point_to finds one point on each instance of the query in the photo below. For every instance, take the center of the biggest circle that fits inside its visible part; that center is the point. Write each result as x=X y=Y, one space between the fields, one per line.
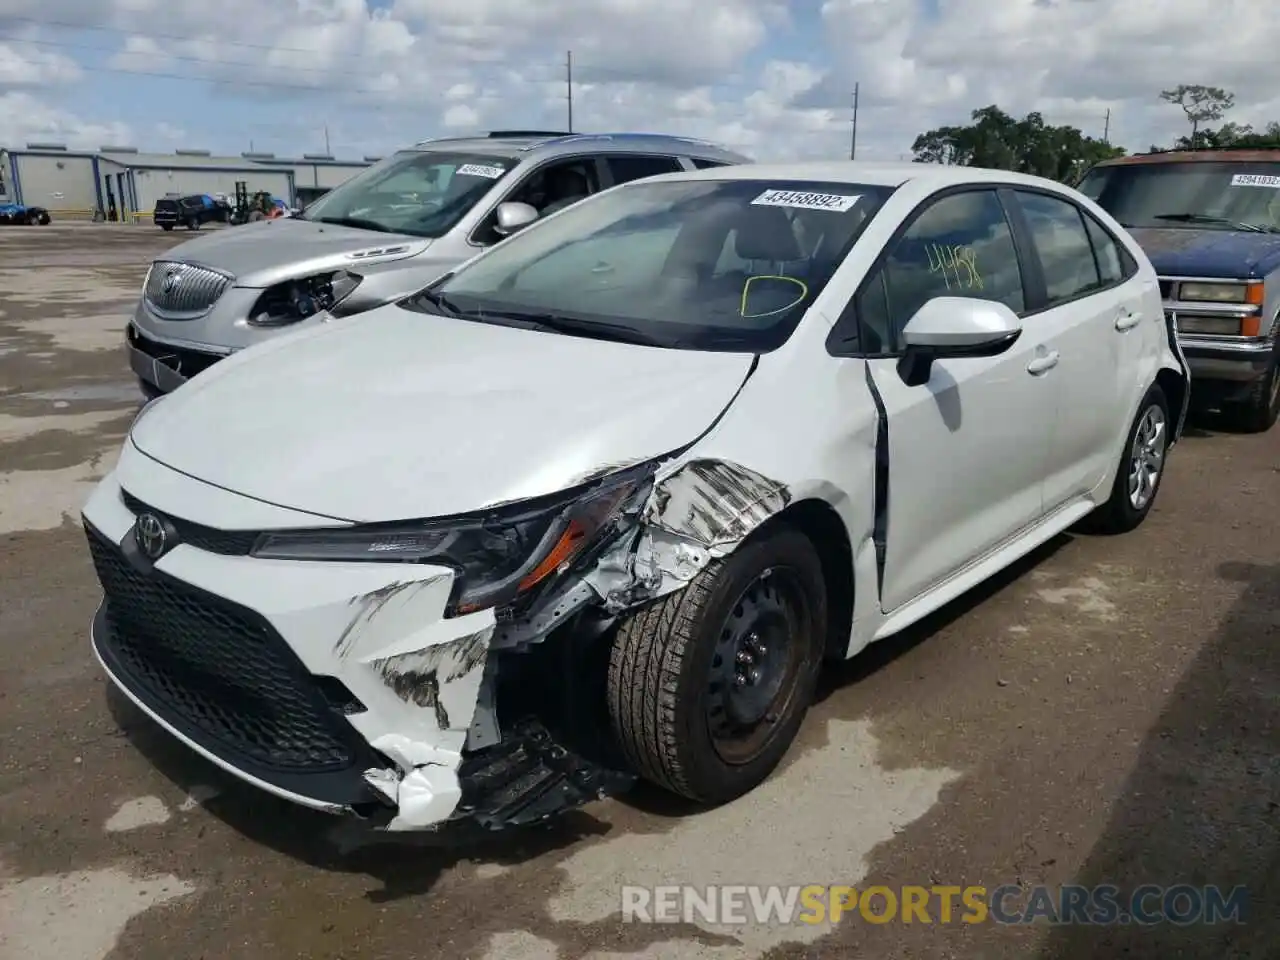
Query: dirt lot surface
x=1109 y=712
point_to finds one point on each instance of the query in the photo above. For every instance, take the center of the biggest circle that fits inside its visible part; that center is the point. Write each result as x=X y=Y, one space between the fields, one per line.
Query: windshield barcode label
x=1254 y=180
x=806 y=201
x=480 y=170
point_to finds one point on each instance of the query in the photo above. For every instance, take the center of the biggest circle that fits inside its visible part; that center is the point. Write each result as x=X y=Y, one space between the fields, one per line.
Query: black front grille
x=229 y=543
x=216 y=670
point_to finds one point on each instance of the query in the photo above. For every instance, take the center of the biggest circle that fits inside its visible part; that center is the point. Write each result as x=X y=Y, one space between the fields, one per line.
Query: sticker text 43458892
x=804 y=200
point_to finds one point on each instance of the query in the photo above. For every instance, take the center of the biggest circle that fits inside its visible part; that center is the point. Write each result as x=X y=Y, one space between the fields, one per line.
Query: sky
x=771 y=78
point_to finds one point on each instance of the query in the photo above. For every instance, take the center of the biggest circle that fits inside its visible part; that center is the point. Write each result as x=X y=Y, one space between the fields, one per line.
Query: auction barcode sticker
x=1254 y=180
x=480 y=170
x=806 y=201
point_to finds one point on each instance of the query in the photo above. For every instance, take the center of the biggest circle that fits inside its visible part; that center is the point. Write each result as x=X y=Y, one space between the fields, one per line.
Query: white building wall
x=63 y=184
x=154 y=184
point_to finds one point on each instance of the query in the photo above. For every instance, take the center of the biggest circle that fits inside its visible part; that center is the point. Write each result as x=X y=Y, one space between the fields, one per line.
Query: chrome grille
x=183 y=291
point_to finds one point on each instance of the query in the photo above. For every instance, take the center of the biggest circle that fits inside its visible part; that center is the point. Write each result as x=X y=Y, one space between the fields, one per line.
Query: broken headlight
x=296 y=300
x=497 y=556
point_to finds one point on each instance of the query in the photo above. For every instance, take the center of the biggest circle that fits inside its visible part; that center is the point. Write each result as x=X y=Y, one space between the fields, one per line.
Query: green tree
x=997 y=140
x=1199 y=103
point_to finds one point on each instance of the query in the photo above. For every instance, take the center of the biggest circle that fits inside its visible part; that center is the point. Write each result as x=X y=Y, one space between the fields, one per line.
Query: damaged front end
x=504 y=730
x=538 y=740
x=460 y=680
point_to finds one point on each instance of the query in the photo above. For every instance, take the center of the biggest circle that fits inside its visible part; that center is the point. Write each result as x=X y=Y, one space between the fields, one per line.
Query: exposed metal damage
x=504 y=773
x=417 y=677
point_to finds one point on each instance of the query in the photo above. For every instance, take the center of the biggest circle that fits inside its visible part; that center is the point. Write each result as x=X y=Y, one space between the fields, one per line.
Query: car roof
x=865 y=173
x=1196 y=156
x=550 y=143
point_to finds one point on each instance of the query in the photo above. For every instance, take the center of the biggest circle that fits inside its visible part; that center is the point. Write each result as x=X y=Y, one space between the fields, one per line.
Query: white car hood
x=400 y=415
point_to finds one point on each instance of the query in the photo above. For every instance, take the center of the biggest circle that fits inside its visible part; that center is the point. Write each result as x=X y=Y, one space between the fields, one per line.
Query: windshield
x=420 y=193
x=693 y=264
x=1198 y=194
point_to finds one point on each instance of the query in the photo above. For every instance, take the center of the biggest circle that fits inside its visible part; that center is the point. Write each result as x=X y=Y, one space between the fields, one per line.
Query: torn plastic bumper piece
x=529 y=778
x=526 y=779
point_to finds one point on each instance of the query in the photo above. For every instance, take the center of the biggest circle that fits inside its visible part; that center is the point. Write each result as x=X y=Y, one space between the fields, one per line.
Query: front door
x=967 y=449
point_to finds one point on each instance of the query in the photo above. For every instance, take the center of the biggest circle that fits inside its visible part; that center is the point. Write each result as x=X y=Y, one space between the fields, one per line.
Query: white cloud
x=765 y=76
x=25 y=118
x=32 y=67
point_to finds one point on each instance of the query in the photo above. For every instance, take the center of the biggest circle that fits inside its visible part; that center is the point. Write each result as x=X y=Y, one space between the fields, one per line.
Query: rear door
x=1089 y=313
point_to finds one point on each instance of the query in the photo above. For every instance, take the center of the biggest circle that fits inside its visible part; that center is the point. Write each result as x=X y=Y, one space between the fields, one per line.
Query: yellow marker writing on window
x=802 y=290
x=958 y=265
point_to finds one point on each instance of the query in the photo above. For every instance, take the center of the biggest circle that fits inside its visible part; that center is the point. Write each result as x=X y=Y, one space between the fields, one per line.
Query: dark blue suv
x=1209 y=220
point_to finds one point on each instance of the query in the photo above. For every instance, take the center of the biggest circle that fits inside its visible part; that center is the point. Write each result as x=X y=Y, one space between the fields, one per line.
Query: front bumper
x=340 y=687
x=1222 y=358
x=165 y=365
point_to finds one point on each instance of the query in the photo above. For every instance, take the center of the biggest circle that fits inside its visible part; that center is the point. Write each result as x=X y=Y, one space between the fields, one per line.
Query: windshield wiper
x=357 y=222
x=440 y=302
x=1204 y=218
x=597 y=330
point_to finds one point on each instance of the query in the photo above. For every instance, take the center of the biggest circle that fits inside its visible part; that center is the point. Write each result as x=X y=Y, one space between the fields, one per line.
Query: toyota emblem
x=150 y=533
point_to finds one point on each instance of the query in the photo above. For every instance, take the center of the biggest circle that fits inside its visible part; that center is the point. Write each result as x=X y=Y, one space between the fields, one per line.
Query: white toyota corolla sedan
x=598 y=504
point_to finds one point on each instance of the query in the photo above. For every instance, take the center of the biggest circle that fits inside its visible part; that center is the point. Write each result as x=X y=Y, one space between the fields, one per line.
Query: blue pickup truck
x=17 y=213
x=1209 y=220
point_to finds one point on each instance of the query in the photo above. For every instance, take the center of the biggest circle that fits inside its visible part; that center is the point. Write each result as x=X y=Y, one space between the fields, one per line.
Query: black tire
x=45 y=219
x=668 y=672
x=33 y=219
x=1119 y=514
x=193 y=223
x=166 y=227
x=1260 y=409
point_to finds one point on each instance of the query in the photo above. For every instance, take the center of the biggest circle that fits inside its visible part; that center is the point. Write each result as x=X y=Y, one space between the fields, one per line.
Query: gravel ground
x=1105 y=713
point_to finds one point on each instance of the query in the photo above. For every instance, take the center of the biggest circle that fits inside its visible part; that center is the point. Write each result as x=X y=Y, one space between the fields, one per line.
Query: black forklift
x=250 y=208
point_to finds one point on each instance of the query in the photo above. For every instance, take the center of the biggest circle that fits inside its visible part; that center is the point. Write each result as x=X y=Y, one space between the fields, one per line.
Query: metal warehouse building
x=128 y=183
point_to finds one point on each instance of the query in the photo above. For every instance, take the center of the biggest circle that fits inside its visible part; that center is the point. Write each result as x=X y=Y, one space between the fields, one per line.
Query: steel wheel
x=1146 y=457
x=756 y=666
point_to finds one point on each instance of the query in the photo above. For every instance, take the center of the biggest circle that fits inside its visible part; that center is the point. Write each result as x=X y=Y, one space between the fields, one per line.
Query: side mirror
x=955 y=327
x=514 y=216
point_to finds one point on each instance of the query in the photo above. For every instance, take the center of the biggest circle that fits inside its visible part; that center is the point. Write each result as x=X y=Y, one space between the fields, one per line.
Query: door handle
x=1043 y=363
x=1127 y=319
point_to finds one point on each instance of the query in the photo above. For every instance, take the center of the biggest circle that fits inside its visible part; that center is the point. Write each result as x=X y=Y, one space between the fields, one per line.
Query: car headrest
x=766 y=233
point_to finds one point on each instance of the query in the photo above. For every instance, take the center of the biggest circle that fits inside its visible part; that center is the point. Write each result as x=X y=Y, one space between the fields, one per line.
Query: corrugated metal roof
x=170 y=161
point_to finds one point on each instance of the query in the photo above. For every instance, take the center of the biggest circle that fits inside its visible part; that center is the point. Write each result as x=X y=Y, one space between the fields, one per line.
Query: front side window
x=420 y=193
x=959 y=246
x=712 y=265
x=1199 y=194
x=1062 y=244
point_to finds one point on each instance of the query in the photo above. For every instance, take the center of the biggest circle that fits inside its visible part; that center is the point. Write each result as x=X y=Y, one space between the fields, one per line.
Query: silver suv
x=385 y=233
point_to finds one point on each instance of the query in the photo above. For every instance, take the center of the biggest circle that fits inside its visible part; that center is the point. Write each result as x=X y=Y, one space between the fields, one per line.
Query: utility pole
x=568 y=82
x=326 y=140
x=1106 y=130
x=853 y=136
